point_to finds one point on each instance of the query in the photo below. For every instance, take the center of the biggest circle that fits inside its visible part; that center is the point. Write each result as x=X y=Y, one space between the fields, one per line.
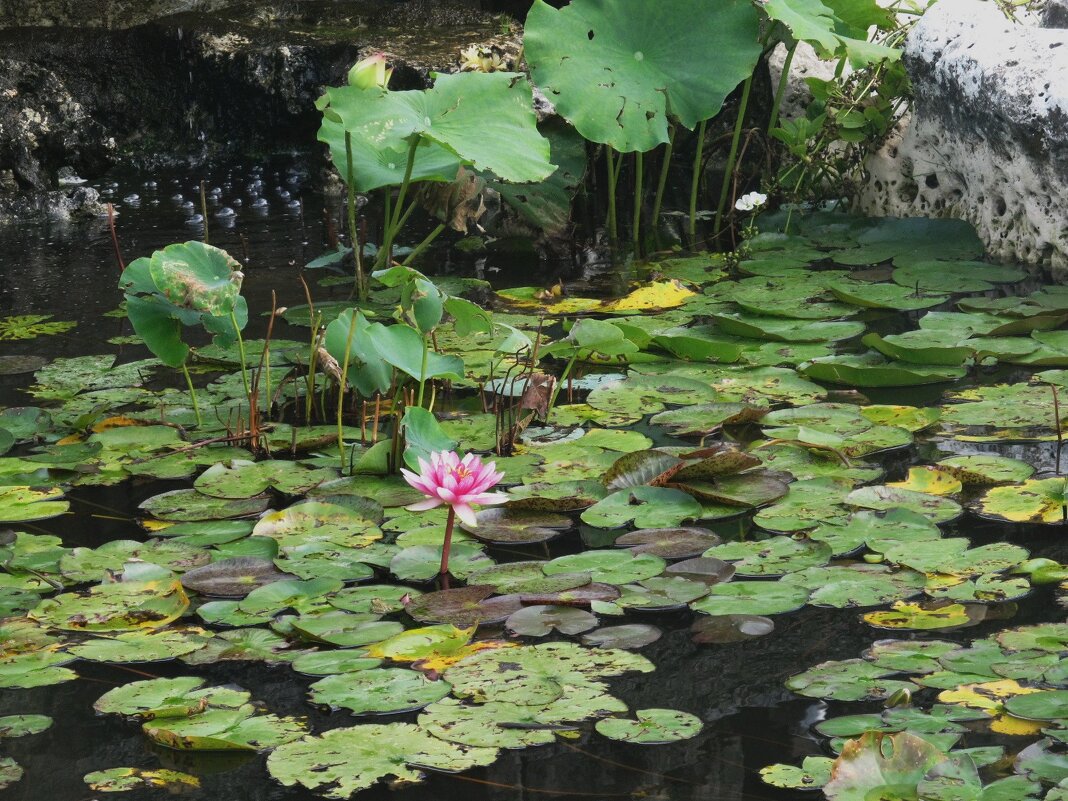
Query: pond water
x=737 y=689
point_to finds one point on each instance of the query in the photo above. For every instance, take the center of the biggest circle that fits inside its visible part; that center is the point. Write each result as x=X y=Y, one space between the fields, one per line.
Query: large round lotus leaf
x=117 y=606
x=847 y=586
x=288 y=594
x=953 y=556
x=775 y=556
x=751 y=598
x=780 y=330
x=188 y=505
x=197 y=277
x=720 y=629
x=538 y=674
x=252 y=645
x=661 y=593
x=706 y=418
x=628 y=636
x=652 y=726
x=645 y=507
x=330 y=663
x=1043 y=500
x=847 y=680
x=378 y=599
x=1046 y=705
x=930 y=479
x=807 y=504
x=313 y=521
x=341 y=762
x=10 y=772
x=21 y=725
x=881 y=765
x=326 y=560
x=872 y=370
x=540 y=620
x=232 y=578
x=464 y=606
x=237 y=479
x=504 y=525
x=378 y=691
x=921 y=347
x=883 y=497
x=156 y=697
x=669 y=543
x=608 y=567
x=650 y=394
x=93 y=564
x=919 y=616
x=704 y=569
x=121 y=780
x=422 y=562
x=526 y=577
x=815 y=771
x=987 y=469
x=572 y=50
x=479 y=725
x=137 y=646
x=22 y=504
x=344 y=629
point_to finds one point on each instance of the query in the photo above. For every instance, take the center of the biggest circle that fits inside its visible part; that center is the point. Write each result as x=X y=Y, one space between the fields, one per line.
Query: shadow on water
x=69 y=271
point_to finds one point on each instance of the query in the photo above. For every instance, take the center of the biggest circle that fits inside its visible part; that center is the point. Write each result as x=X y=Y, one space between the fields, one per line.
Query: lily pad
x=464 y=606
x=720 y=629
x=540 y=620
x=628 y=636
x=645 y=507
x=232 y=578
x=121 y=780
x=651 y=726
x=378 y=691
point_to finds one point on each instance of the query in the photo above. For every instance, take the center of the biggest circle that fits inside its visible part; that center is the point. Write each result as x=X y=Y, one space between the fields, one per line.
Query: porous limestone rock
x=988 y=137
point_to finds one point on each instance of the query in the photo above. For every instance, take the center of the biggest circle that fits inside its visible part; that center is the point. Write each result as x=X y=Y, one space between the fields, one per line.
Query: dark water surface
x=751 y=720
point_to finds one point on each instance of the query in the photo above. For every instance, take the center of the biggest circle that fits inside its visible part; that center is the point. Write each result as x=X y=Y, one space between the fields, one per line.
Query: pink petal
x=447 y=495
x=466 y=514
x=422 y=506
x=488 y=498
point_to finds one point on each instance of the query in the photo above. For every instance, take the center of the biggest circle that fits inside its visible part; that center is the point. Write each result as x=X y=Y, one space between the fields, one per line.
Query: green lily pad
x=378 y=691
x=23 y=504
x=117 y=606
x=883 y=497
x=652 y=726
x=422 y=562
x=344 y=629
x=93 y=564
x=540 y=620
x=669 y=543
x=719 y=629
x=340 y=762
x=243 y=645
x=815 y=771
x=780 y=330
x=608 y=567
x=751 y=598
x=1046 y=705
x=857 y=585
x=10 y=772
x=330 y=663
x=378 y=599
x=628 y=636
x=645 y=507
x=139 y=646
x=775 y=556
x=1043 y=501
x=22 y=725
x=871 y=370
x=1040 y=762
x=650 y=394
x=847 y=680
x=919 y=616
x=121 y=780
x=316 y=521
x=987 y=469
x=464 y=606
x=188 y=505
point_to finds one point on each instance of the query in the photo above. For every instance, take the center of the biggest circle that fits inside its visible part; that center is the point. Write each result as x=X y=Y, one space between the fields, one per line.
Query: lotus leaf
x=608 y=567
x=301 y=596
x=21 y=725
x=340 y=762
x=645 y=507
x=751 y=598
x=807 y=504
x=919 y=616
x=117 y=606
x=1042 y=501
x=224 y=730
x=1051 y=637
x=121 y=780
x=188 y=505
x=776 y=556
x=378 y=691
x=815 y=771
x=344 y=629
x=23 y=504
x=137 y=646
x=232 y=578
x=505 y=525
x=253 y=645
x=857 y=585
x=720 y=629
x=330 y=663
x=10 y=772
x=884 y=497
x=465 y=606
x=379 y=599
x=93 y=564
x=315 y=521
x=651 y=726
x=871 y=370
x=422 y=562
x=628 y=636
x=540 y=620
x=848 y=680
x=987 y=469
x=669 y=543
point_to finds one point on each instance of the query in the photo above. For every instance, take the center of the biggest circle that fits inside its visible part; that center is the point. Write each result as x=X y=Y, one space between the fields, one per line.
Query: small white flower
x=753 y=200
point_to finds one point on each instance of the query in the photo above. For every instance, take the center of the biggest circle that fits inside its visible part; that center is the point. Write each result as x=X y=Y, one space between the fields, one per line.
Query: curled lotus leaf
x=538 y=674
x=232 y=578
x=188 y=505
x=872 y=370
x=464 y=606
x=341 y=762
x=720 y=629
x=539 y=620
x=880 y=765
x=639 y=468
x=198 y=277
x=814 y=772
x=121 y=780
x=378 y=691
x=747 y=491
x=629 y=636
x=651 y=726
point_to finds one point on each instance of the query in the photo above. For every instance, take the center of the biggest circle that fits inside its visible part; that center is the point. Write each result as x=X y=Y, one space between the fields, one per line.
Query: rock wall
x=988 y=138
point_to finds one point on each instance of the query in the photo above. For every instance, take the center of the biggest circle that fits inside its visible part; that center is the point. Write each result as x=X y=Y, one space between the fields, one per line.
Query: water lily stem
x=360 y=281
x=560 y=383
x=341 y=388
x=611 y=192
x=780 y=90
x=639 y=171
x=422 y=370
x=204 y=211
x=395 y=221
x=447 y=545
x=192 y=393
x=695 y=180
x=424 y=244
x=241 y=352
x=732 y=156
x=665 y=168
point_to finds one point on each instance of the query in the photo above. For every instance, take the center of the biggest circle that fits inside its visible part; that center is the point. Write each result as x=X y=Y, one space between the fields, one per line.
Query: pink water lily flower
x=457 y=483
